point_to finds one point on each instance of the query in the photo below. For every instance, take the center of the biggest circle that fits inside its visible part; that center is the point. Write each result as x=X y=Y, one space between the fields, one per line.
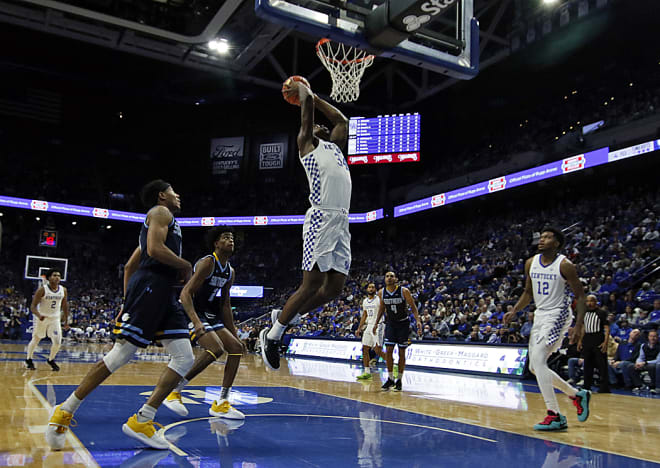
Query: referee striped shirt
x=595 y=321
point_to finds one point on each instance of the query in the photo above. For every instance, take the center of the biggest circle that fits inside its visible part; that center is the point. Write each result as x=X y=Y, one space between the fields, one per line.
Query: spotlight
x=221 y=46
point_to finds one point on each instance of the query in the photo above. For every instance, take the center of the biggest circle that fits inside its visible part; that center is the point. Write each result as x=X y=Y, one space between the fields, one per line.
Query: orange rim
x=325 y=40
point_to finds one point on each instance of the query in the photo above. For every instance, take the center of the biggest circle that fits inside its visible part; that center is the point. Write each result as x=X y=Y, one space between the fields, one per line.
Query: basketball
x=289 y=95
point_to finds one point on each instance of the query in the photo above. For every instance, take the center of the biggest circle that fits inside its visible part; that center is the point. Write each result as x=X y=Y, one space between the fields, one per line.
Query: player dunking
x=47 y=305
x=150 y=311
x=549 y=276
x=370 y=340
x=206 y=299
x=394 y=303
x=326 y=238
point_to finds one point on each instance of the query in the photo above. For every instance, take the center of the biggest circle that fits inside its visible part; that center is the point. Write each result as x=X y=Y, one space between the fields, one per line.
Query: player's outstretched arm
x=339 y=133
x=159 y=219
x=525 y=298
x=203 y=270
x=569 y=272
x=306 y=134
x=38 y=296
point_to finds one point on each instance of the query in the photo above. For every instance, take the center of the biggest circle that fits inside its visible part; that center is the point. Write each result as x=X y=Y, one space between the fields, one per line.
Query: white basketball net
x=346 y=65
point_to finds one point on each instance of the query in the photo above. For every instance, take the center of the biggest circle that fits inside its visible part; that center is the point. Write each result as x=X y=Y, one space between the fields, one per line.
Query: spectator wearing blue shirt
x=645 y=294
x=624 y=331
x=614 y=328
x=647 y=361
x=526 y=329
x=609 y=286
x=624 y=359
x=654 y=316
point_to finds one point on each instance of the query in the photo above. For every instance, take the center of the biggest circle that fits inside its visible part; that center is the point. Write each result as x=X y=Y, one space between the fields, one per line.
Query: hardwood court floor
x=311 y=401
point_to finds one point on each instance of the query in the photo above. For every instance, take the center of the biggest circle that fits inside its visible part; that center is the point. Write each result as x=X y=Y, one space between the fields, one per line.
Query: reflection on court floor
x=289 y=427
x=490 y=391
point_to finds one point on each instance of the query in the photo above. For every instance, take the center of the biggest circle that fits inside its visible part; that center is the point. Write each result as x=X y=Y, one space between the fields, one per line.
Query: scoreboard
x=384 y=139
x=47 y=238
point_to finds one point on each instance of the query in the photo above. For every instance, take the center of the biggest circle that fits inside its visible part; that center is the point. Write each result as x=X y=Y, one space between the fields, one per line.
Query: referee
x=594 y=345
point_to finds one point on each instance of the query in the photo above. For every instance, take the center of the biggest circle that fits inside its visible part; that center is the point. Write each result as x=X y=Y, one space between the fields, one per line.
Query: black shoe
x=397 y=385
x=270 y=350
x=54 y=366
x=387 y=385
x=30 y=364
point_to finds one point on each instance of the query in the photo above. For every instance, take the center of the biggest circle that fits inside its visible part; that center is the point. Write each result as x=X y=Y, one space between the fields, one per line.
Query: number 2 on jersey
x=543 y=288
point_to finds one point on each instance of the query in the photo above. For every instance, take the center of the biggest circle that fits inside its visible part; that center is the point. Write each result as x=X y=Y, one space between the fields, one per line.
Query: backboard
x=35 y=266
x=438 y=35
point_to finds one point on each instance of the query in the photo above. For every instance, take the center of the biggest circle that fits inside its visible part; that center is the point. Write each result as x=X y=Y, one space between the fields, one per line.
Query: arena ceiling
x=261 y=56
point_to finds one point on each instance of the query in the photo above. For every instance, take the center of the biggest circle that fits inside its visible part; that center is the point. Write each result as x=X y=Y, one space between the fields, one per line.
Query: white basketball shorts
x=48 y=327
x=550 y=327
x=326 y=240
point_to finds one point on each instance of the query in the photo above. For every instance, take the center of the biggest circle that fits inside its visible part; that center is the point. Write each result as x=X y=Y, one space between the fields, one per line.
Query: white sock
x=146 y=413
x=71 y=404
x=32 y=345
x=277 y=331
x=182 y=384
x=367 y=370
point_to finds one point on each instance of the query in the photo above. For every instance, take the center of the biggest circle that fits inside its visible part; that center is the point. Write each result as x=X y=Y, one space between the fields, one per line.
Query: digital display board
x=47 y=238
x=384 y=139
x=246 y=292
x=205 y=221
x=560 y=167
x=500 y=360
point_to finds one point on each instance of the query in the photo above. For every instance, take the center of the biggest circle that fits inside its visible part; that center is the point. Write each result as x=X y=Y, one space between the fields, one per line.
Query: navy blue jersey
x=173 y=241
x=396 y=307
x=209 y=297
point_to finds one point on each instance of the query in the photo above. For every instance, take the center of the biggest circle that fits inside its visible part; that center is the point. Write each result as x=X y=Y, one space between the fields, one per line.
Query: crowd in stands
x=463 y=278
x=619 y=96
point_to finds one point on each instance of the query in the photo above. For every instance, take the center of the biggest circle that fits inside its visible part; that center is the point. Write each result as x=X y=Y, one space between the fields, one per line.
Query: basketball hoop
x=346 y=65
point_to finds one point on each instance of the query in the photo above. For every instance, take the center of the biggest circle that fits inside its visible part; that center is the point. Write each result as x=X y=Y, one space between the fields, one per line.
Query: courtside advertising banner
x=226 y=154
x=500 y=360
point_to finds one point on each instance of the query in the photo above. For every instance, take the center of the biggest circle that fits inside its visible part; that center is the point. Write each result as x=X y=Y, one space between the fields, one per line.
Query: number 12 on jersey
x=543 y=288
